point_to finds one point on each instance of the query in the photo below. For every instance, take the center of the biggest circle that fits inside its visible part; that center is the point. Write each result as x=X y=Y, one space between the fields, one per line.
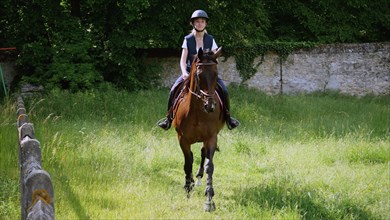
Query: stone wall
x=354 y=69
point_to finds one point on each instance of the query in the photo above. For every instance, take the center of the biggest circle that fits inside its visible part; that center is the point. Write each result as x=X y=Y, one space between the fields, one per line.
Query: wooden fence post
x=36 y=188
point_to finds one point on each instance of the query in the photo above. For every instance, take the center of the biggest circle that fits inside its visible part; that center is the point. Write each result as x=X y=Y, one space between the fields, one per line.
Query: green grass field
x=318 y=156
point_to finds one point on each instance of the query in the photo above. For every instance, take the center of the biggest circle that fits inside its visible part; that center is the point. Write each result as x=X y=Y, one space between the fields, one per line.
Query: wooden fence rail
x=36 y=188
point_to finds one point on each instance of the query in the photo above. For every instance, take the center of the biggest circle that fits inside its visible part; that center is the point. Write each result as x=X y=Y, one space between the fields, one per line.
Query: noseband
x=199 y=93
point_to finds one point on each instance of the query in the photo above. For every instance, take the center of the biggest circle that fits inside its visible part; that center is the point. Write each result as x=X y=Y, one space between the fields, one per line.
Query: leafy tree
x=117 y=35
x=75 y=44
x=236 y=23
x=54 y=47
x=330 y=21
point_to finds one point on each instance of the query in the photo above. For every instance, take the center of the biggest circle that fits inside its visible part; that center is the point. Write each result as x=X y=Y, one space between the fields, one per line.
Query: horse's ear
x=218 y=53
x=200 y=53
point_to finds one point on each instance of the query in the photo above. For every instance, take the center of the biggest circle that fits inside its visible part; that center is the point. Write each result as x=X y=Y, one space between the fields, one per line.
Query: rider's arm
x=183 y=63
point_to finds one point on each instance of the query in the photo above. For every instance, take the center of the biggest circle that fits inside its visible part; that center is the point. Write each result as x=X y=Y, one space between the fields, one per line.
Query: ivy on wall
x=246 y=54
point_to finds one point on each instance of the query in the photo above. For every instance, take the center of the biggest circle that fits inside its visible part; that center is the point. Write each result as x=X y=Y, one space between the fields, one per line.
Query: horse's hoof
x=189 y=187
x=209 y=206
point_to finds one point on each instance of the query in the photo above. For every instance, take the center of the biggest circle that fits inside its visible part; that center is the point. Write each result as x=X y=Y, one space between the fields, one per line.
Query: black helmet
x=199 y=14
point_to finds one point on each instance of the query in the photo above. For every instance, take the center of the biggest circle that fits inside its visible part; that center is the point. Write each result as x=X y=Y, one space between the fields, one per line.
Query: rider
x=198 y=38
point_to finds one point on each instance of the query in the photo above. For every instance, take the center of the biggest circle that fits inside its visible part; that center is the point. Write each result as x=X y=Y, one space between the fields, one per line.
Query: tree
x=330 y=21
x=76 y=44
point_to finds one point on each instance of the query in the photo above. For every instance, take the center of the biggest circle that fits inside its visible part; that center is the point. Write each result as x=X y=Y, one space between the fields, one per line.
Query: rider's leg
x=230 y=121
x=165 y=123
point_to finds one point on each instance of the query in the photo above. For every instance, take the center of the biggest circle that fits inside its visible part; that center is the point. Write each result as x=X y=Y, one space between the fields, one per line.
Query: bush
x=78 y=44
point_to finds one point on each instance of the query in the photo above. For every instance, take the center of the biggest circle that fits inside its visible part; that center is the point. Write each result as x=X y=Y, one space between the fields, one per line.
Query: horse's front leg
x=200 y=172
x=188 y=161
x=209 y=192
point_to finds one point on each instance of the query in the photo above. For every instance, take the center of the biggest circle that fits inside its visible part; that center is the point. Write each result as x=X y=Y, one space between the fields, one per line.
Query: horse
x=199 y=118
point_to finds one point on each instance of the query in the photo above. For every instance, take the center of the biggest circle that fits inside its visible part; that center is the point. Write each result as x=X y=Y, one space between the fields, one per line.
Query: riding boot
x=166 y=122
x=230 y=121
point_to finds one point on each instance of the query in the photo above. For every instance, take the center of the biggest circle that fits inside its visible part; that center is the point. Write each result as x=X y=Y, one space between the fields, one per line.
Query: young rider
x=198 y=38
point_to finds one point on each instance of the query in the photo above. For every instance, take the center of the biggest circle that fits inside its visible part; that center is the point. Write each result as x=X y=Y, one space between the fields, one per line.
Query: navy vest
x=191 y=46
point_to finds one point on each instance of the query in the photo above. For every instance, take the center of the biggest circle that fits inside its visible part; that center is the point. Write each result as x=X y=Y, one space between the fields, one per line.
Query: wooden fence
x=36 y=188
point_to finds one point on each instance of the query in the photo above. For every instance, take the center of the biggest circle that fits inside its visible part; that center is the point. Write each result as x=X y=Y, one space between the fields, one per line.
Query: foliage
x=330 y=21
x=77 y=44
x=237 y=23
x=56 y=52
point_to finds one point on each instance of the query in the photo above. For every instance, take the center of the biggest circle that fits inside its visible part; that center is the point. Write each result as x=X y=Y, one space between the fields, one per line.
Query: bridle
x=199 y=93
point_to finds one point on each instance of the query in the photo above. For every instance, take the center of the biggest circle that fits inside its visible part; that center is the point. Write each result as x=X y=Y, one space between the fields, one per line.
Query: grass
x=318 y=156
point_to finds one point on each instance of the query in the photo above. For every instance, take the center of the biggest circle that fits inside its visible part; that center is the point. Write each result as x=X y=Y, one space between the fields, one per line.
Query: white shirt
x=213 y=47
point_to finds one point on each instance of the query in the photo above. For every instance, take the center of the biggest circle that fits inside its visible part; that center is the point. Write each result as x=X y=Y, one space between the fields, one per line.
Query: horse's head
x=206 y=76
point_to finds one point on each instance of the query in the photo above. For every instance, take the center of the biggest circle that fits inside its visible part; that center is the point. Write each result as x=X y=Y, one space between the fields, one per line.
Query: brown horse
x=199 y=118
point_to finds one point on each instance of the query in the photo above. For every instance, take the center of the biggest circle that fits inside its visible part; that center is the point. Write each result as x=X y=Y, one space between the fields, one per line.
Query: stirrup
x=232 y=123
x=164 y=123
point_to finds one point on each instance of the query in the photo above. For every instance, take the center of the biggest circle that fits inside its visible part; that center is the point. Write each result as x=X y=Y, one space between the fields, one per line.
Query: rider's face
x=200 y=24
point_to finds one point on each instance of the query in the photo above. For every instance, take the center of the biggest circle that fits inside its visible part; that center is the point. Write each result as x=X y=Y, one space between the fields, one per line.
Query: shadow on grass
x=70 y=196
x=282 y=195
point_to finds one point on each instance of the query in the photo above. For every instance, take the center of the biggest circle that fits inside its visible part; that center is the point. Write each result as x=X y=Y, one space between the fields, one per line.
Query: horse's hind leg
x=188 y=160
x=200 y=172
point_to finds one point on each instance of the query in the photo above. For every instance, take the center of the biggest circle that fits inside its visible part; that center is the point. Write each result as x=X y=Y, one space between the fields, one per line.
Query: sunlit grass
x=9 y=172
x=294 y=157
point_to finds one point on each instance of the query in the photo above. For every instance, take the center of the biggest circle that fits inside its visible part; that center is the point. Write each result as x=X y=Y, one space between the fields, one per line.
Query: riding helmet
x=199 y=14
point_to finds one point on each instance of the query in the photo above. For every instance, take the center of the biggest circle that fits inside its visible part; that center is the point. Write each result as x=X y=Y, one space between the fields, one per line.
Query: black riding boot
x=230 y=121
x=166 y=122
